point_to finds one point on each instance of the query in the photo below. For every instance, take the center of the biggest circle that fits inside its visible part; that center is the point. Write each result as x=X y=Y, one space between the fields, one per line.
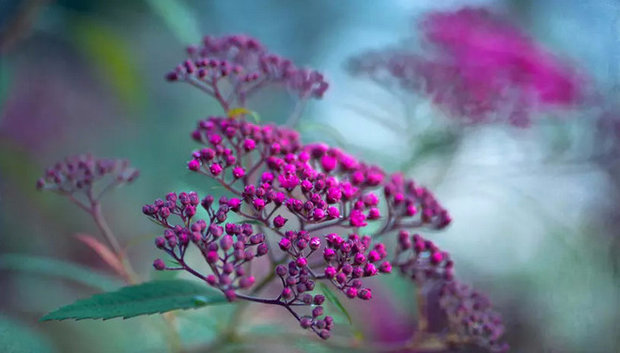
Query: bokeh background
x=535 y=210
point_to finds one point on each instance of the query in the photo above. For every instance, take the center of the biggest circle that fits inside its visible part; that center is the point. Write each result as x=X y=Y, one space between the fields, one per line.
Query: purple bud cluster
x=414 y=204
x=350 y=260
x=80 y=172
x=246 y=66
x=304 y=195
x=225 y=247
x=422 y=260
x=297 y=281
x=472 y=317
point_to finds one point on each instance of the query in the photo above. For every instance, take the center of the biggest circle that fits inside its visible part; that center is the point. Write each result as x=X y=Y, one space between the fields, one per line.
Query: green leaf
x=112 y=55
x=5 y=83
x=332 y=298
x=142 y=299
x=57 y=268
x=179 y=18
x=17 y=338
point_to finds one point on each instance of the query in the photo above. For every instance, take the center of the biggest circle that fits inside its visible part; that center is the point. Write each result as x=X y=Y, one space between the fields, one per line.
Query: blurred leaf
x=58 y=268
x=103 y=251
x=179 y=19
x=235 y=112
x=111 y=54
x=142 y=299
x=332 y=298
x=338 y=138
x=18 y=167
x=17 y=338
x=5 y=83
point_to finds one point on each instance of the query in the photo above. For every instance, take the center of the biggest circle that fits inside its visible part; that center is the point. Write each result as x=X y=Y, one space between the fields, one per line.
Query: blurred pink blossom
x=482 y=69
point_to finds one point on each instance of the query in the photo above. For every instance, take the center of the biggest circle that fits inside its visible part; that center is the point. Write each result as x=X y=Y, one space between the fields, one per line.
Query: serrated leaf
x=57 y=268
x=142 y=299
x=17 y=338
x=332 y=298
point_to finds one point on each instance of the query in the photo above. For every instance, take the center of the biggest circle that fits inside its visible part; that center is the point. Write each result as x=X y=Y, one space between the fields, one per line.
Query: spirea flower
x=471 y=317
x=231 y=68
x=313 y=202
x=80 y=173
x=481 y=69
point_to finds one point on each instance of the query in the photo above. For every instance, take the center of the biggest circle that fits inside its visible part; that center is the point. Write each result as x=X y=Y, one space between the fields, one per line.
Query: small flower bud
x=159 y=264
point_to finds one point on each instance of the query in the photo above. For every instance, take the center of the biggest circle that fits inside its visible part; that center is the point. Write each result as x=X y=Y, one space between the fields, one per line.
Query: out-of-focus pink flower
x=496 y=60
x=483 y=69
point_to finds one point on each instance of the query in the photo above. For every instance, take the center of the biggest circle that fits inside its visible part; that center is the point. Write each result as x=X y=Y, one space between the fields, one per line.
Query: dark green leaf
x=332 y=298
x=142 y=299
x=57 y=268
x=17 y=338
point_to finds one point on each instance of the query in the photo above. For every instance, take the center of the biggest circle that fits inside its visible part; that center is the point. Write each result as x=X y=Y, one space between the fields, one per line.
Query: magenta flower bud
x=436 y=258
x=374 y=213
x=287 y=293
x=238 y=172
x=370 y=270
x=190 y=211
x=324 y=334
x=318 y=299
x=318 y=311
x=230 y=295
x=373 y=256
x=259 y=204
x=330 y=272
x=351 y=292
x=211 y=280
x=411 y=210
x=279 y=221
x=234 y=204
x=318 y=214
x=195 y=237
x=281 y=270
x=226 y=242
x=285 y=244
x=215 y=169
x=328 y=163
x=357 y=219
x=385 y=267
x=315 y=243
x=193 y=165
x=160 y=242
x=359 y=259
x=246 y=282
x=365 y=294
x=207 y=201
x=306 y=185
x=305 y=322
x=249 y=145
x=341 y=278
x=212 y=257
x=333 y=212
x=159 y=265
x=419 y=246
x=301 y=262
x=357 y=272
x=329 y=254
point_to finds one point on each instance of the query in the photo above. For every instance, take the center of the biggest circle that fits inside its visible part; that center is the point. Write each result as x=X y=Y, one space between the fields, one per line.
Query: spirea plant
x=306 y=220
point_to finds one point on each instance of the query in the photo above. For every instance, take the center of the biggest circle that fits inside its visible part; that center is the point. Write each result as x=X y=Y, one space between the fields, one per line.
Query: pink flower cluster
x=482 y=69
x=81 y=172
x=226 y=247
x=422 y=260
x=312 y=200
x=472 y=317
x=245 y=66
